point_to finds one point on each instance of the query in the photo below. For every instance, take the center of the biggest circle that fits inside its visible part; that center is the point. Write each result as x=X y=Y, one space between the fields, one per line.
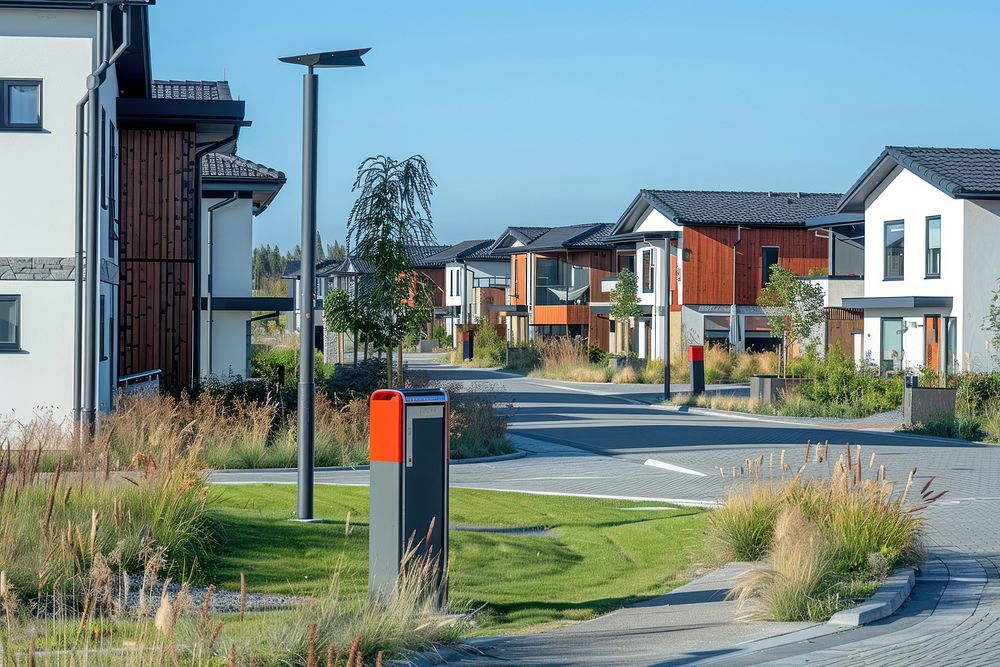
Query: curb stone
x=886 y=600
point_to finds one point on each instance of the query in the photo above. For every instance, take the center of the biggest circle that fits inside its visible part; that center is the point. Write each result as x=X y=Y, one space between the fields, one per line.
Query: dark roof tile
x=763 y=209
x=192 y=90
x=219 y=165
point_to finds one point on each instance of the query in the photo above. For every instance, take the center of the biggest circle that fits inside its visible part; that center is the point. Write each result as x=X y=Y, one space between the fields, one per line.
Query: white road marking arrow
x=669 y=466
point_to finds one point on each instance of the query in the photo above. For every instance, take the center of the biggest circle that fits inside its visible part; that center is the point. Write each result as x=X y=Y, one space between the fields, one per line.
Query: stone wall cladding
x=37 y=268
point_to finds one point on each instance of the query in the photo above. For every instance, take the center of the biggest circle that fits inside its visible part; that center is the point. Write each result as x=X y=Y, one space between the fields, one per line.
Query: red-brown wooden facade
x=157 y=250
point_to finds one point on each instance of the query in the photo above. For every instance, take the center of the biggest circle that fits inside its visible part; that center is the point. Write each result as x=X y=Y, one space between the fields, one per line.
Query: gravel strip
x=223 y=601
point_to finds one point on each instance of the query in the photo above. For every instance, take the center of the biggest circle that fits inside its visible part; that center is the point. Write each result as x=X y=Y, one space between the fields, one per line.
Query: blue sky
x=556 y=112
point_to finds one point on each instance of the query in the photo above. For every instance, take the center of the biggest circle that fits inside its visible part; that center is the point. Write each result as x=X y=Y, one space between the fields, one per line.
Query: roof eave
x=834 y=220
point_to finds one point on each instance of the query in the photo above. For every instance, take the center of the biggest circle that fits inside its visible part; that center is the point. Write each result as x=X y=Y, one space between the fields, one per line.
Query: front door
x=932 y=342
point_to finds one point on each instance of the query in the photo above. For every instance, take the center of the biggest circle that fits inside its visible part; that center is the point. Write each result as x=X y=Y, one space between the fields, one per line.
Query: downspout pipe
x=734 y=323
x=90 y=371
x=211 y=267
x=81 y=119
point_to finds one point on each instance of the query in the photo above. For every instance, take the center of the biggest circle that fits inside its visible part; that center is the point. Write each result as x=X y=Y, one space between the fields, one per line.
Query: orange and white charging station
x=410 y=451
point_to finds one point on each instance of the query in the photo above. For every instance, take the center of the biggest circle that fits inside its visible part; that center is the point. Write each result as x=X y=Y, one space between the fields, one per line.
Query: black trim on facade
x=248 y=303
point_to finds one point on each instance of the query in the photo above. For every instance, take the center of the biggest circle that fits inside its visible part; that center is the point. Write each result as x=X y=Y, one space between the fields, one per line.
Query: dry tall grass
x=565 y=359
x=795 y=584
x=863 y=519
x=133 y=621
x=57 y=526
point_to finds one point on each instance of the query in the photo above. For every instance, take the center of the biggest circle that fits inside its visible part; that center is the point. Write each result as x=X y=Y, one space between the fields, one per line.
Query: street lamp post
x=307 y=276
x=666 y=319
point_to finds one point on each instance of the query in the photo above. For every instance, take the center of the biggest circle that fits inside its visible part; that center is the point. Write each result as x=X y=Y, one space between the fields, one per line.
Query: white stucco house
x=474 y=279
x=47 y=52
x=234 y=192
x=109 y=174
x=932 y=227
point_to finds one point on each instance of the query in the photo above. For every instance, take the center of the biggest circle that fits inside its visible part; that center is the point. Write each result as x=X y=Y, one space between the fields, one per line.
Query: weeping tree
x=392 y=212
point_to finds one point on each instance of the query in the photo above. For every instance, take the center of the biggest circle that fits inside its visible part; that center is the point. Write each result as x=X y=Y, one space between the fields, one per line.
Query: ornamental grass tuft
x=866 y=526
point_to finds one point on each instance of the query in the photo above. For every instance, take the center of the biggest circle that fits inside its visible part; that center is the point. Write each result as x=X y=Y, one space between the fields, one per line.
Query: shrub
x=808 y=365
x=990 y=423
x=348 y=381
x=490 y=349
x=477 y=428
x=444 y=340
x=597 y=356
x=265 y=362
x=525 y=360
x=858 y=392
x=978 y=391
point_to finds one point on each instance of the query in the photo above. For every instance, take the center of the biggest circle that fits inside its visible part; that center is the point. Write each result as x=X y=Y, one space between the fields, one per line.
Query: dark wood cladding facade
x=708 y=261
x=602 y=265
x=157 y=250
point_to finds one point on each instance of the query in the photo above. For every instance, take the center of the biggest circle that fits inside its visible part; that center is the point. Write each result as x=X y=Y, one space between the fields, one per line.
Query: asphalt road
x=606 y=440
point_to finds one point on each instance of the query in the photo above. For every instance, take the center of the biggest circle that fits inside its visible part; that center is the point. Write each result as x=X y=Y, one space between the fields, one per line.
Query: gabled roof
x=961 y=173
x=424 y=256
x=593 y=235
x=421 y=256
x=293 y=268
x=231 y=172
x=234 y=167
x=730 y=208
x=475 y=249
x=191 y=90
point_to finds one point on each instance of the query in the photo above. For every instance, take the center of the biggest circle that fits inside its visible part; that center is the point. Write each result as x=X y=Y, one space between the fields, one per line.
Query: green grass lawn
x=598 y=555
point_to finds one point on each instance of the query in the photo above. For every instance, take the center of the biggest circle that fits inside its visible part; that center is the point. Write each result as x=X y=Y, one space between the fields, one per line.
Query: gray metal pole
x=307 y=384
x=666 y=320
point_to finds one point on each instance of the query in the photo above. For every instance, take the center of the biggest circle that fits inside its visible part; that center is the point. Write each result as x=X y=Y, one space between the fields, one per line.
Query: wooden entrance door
x=932 y=342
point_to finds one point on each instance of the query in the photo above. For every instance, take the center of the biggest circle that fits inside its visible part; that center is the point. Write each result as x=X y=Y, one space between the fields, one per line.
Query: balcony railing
x=562 y=295
x=491 y=281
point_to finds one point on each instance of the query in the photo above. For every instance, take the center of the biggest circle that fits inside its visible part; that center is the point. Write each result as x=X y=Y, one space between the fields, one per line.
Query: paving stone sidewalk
x=694 y=619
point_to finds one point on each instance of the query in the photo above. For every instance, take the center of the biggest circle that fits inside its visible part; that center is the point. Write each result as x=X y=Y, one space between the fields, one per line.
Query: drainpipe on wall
x=81 y=118
x=211 y=265
x=88 y=359
x=734 y=327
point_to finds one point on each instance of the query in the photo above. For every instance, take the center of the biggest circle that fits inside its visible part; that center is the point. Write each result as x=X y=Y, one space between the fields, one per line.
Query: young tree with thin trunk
x=392 y=212
x=991 y=324
x=794 y=309
x=625 y=305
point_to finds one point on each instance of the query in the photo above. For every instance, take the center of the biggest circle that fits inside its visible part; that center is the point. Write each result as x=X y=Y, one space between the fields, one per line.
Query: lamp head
x=348 y=58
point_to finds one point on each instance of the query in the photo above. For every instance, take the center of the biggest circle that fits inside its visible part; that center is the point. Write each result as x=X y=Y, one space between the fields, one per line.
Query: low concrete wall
x=517 y=356
x=429 y=345
x=619 y=363
x=923 y=403
x=767 y=388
